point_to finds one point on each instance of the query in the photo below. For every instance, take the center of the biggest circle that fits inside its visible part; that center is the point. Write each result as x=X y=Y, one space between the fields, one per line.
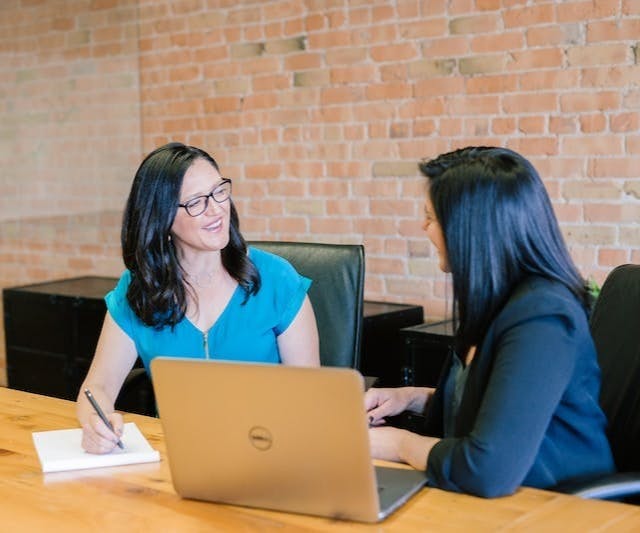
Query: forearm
x=84 y=409
x=414 y=449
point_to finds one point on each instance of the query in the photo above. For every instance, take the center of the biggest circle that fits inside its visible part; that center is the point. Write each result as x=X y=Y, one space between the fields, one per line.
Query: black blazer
x=529 y=414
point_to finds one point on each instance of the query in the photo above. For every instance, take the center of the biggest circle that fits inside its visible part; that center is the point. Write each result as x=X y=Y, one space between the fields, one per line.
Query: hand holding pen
x=101 y=414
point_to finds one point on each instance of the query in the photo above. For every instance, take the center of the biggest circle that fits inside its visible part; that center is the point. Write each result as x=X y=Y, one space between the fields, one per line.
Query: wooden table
x=141 y=497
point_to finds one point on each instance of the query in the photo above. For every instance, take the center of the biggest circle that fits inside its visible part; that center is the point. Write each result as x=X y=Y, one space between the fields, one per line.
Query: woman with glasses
x=192 y=288
x=517 y=403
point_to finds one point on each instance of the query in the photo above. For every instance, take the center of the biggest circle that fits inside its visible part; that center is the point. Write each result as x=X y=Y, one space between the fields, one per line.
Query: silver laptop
x=276 y=437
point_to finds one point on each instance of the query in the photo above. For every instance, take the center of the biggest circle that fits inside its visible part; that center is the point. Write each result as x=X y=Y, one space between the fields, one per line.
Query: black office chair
x=615 y=326
x=336 y=294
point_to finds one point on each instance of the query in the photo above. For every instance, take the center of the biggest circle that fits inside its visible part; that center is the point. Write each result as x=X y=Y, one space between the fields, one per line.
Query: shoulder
x=120 y=290
x=269 y=264
x=118 y=305
x=277 y=274
x=538 y=297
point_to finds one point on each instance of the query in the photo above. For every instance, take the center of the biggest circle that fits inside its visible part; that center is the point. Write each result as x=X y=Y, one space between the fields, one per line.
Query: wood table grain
x=141 y=497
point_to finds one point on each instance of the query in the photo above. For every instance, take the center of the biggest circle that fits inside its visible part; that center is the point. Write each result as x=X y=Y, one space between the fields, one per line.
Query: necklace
x=203 y=280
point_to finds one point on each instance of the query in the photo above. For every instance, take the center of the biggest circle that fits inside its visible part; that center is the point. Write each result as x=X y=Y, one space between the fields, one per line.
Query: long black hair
x=158 y=289
x=499 y=227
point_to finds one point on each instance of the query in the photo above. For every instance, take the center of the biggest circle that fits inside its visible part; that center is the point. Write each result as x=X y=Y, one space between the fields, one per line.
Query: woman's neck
x=203 y=270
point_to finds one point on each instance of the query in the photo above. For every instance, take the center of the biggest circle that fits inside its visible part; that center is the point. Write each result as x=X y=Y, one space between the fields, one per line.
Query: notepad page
x=61 y=449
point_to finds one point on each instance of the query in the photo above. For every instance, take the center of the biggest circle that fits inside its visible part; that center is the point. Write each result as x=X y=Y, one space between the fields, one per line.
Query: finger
x=93 y=443
x=101 y=429
x=376 y=416
x=370 y=400
x=118 y=423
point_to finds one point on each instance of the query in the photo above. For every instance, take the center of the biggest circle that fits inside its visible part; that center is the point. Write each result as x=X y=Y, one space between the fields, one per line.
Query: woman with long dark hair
x=517 y=401
x=191 y=288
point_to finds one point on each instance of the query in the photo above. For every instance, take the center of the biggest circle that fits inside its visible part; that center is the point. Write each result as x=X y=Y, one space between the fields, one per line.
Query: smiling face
x=434 y=231
x=208 y=231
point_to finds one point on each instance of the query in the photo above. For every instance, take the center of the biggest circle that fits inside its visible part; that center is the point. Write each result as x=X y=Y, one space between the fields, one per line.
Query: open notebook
x=273 y=436
x=61 y=449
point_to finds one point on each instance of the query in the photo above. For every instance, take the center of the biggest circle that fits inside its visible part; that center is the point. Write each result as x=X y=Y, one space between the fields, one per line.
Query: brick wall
x=319 y=111
x=69 y=105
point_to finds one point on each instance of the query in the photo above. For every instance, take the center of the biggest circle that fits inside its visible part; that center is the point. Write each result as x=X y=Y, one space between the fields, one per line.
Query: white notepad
x=61 y=449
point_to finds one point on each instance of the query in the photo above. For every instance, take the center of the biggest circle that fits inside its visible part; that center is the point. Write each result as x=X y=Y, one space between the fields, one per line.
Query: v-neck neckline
x=234 y=295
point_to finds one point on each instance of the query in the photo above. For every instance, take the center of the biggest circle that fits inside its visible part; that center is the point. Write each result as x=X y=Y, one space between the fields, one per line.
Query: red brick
x=354 y=74
x=348 y=169
x=328 y=40
x=507 y=41
x=474 y=105
x=436 y=87
x=389 y=91
x=421 y=29
x=589 y=101
x=445 y=47
x=618 y=76
x=492 y=84
x=624 y=122
x=609 y=30
x=534 y=145
x=331 y=226
x=532 y=125
x=593 y=145
x=394 y=52
x=530 y=15
x=263 y=171
x=536 y=59
x=503 y=125
x=484 y=23
x=562 y=124
x=553 y=35
x=303 y=61
x=593 y=123
x=601 y=54
x=579 y=11
x=340 y=95
x=614 y=167
x=631 y=7
x=543 y=80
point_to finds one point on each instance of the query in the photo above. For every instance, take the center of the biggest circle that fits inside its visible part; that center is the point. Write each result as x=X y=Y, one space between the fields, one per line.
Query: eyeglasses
x=198 y=205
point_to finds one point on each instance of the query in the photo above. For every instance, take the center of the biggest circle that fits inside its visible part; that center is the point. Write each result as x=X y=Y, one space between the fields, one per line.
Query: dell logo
x=260 y=438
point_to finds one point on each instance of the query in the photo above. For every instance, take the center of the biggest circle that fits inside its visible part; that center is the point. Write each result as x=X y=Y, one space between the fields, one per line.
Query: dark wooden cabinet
x=51 y=332
x=381 y=353
x=52 y=329
x=425 y=349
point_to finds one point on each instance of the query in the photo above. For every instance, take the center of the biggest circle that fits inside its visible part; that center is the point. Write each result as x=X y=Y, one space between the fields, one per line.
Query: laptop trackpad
x=396 y=486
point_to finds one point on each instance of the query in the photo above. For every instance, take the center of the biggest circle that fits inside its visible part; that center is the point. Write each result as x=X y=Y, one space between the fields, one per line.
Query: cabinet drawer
x=40 y=372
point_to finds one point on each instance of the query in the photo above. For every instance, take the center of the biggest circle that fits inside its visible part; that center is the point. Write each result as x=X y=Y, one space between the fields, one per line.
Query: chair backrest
x=615 y=326
x=336 y=294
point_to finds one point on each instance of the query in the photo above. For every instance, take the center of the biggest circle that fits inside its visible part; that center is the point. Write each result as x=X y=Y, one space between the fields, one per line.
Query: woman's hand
x=401 y=446
x=97 y=437
x=381 y=402
x=385 y=443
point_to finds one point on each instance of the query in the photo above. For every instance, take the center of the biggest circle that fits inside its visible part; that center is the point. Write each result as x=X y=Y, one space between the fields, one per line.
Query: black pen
x=101 y=414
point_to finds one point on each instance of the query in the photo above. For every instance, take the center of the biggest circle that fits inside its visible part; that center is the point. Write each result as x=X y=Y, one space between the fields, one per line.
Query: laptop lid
x=271 y=436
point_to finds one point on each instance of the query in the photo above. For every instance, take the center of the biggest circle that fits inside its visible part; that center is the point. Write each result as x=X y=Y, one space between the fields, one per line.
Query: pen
x=101 y=414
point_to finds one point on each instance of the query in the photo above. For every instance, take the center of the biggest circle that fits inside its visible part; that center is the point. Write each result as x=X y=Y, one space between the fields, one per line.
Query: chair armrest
x=607 y=487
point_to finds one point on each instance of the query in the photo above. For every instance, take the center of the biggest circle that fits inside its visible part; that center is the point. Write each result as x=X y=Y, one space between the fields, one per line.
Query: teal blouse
x=243 y=332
